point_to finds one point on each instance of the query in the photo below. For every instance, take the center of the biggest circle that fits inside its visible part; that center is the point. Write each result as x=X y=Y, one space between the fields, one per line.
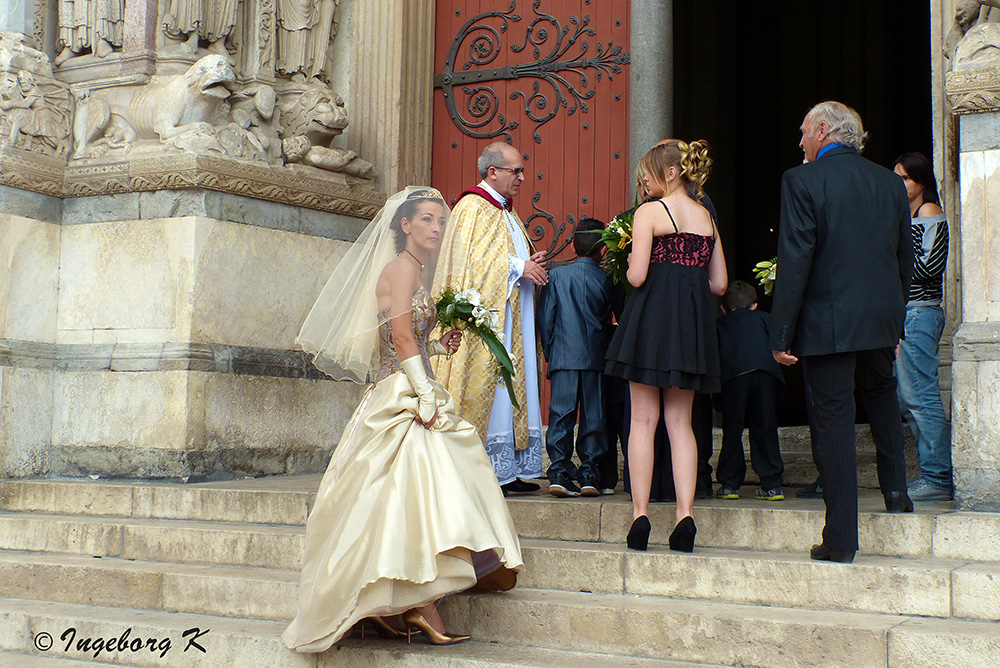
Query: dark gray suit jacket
x=572 y=310
x=844 y=257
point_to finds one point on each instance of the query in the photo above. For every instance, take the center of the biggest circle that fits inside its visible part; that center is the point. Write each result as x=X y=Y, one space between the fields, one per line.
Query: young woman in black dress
x=665 y=344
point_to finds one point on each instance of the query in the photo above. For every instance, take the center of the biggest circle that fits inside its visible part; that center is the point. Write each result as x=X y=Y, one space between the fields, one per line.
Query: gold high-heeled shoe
x=382 y=627
x=415 y=621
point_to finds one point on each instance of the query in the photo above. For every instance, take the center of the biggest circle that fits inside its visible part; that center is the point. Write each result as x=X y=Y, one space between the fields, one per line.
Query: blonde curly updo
x=691 y=158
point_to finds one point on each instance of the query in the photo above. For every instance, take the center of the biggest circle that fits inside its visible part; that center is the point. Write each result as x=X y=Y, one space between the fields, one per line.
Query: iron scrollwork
x=485 y=44
x=482 y=117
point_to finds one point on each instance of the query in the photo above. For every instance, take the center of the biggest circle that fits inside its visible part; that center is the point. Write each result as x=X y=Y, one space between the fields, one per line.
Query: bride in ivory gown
x=409 y=509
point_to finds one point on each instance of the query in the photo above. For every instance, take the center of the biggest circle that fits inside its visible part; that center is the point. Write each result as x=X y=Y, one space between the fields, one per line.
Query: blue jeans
x=920 y=393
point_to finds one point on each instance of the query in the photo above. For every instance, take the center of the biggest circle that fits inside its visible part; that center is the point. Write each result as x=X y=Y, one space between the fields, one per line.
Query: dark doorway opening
x=746 y=73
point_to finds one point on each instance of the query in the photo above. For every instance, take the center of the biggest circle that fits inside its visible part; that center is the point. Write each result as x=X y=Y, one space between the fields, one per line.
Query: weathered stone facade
x=171 y=202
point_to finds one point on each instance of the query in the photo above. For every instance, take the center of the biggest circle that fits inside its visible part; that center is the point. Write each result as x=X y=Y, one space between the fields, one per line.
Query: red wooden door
x=551 y=78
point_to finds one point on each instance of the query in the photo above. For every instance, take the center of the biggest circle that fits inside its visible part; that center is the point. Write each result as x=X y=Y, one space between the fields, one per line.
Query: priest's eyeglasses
x=517 y=170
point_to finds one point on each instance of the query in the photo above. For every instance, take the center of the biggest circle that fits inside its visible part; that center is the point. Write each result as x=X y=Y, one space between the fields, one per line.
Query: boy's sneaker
x=774 y=494
x=563 y=487
x=727 y=492
x=588 y=488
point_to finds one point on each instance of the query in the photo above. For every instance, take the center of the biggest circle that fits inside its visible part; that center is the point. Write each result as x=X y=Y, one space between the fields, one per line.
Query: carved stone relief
x=35 y=109
x=190 y=22
x=89 y=26
x=305 y=29
x=189 y=103
x=311 y=117
x=974 y=91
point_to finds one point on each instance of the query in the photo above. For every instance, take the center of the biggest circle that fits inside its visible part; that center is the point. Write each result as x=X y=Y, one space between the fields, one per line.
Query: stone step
x=257 y=644
x=174 y=541
x=790 y=525
x=928 y=587
x=271 y=500
x=41 y=660
x=775 y=637
x=271 y=546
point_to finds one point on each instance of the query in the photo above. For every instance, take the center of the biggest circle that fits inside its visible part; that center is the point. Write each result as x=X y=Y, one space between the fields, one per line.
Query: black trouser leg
x=615 y=429
x=762 y=422
x=701 y=423
x=875 y=379
x=831 y=382
x=732 y=468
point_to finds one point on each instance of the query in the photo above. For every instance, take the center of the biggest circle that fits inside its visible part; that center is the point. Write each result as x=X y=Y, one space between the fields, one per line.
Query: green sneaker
x=769 y=494
x=726 y=492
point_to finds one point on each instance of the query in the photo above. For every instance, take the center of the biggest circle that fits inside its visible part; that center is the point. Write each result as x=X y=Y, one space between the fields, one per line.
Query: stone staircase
x=219 y=562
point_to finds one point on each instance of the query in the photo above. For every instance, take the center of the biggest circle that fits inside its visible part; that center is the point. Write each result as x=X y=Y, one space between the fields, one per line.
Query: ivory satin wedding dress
x=400 y=509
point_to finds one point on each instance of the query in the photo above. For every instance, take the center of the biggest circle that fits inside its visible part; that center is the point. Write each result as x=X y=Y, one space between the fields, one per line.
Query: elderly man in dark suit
x=573 y=309
x=844 y=264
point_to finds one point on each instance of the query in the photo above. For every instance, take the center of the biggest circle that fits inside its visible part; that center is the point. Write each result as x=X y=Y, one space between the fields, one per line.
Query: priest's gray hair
x=845 y=123
x=492 y=156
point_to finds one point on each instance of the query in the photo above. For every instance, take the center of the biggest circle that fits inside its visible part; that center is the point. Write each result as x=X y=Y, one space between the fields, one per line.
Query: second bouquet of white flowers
x=465 y=310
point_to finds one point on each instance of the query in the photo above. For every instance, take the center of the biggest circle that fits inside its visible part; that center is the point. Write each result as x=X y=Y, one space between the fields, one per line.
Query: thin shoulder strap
x=669 y=214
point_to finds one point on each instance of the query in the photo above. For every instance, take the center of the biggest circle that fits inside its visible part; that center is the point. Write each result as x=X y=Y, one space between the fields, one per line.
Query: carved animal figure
x=172 y=110
x=167 y=108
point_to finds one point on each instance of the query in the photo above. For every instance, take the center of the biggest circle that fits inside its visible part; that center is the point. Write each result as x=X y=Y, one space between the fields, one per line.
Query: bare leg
x=683 y=447
x=645 y=414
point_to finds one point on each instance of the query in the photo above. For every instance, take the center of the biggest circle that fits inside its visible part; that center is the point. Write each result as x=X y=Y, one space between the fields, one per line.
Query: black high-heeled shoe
x=682 y=538
x=638 y=534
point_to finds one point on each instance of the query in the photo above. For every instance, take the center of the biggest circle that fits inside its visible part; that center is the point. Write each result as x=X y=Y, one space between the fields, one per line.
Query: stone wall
x=164 y=346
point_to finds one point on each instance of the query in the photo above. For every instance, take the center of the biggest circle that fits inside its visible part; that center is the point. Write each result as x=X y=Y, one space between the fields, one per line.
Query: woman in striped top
x=917 y=364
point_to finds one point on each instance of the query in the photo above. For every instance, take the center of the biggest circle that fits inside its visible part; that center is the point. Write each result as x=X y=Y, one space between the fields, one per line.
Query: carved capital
x=973 y=91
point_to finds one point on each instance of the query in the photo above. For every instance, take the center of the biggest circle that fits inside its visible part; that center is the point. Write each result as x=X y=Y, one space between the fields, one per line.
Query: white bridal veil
x=341 y=330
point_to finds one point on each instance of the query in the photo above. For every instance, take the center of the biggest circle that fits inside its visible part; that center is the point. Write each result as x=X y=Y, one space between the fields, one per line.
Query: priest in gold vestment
x=486 y=248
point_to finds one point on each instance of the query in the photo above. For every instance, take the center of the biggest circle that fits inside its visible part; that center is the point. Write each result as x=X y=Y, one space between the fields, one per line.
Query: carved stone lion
x=177 y=110
x=311 y=119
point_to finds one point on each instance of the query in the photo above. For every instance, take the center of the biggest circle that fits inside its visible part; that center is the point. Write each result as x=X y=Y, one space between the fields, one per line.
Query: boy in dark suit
x=573 y=309
x=751 y=383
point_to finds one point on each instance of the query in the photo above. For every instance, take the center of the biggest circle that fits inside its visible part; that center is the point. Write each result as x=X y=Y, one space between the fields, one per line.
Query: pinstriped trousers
x=831 y=380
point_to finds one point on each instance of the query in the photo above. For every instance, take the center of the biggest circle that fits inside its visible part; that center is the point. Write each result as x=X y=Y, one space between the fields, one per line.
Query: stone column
x=140 y=26
x=391 y=99
x=652 y=76
x=975 y=95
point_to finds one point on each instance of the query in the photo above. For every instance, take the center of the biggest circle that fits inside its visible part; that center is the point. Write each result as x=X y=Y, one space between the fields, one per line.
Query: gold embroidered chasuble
x=474 y=254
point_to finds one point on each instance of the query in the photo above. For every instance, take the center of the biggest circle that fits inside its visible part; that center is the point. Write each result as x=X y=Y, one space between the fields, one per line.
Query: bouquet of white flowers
x=465 y=310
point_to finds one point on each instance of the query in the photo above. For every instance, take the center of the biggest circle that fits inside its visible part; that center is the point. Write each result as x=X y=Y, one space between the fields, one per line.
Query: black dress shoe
x=823 y=553
x=516 y=486
x=682 y=537
x=898 y=502
x=638 y=534
x=813 y=491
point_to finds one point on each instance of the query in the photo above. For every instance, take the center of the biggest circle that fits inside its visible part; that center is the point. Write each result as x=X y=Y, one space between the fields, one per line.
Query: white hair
x=492 y=156
x=845 y=123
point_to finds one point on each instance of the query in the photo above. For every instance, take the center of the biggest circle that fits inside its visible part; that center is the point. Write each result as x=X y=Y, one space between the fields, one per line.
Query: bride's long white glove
x=413 y=367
